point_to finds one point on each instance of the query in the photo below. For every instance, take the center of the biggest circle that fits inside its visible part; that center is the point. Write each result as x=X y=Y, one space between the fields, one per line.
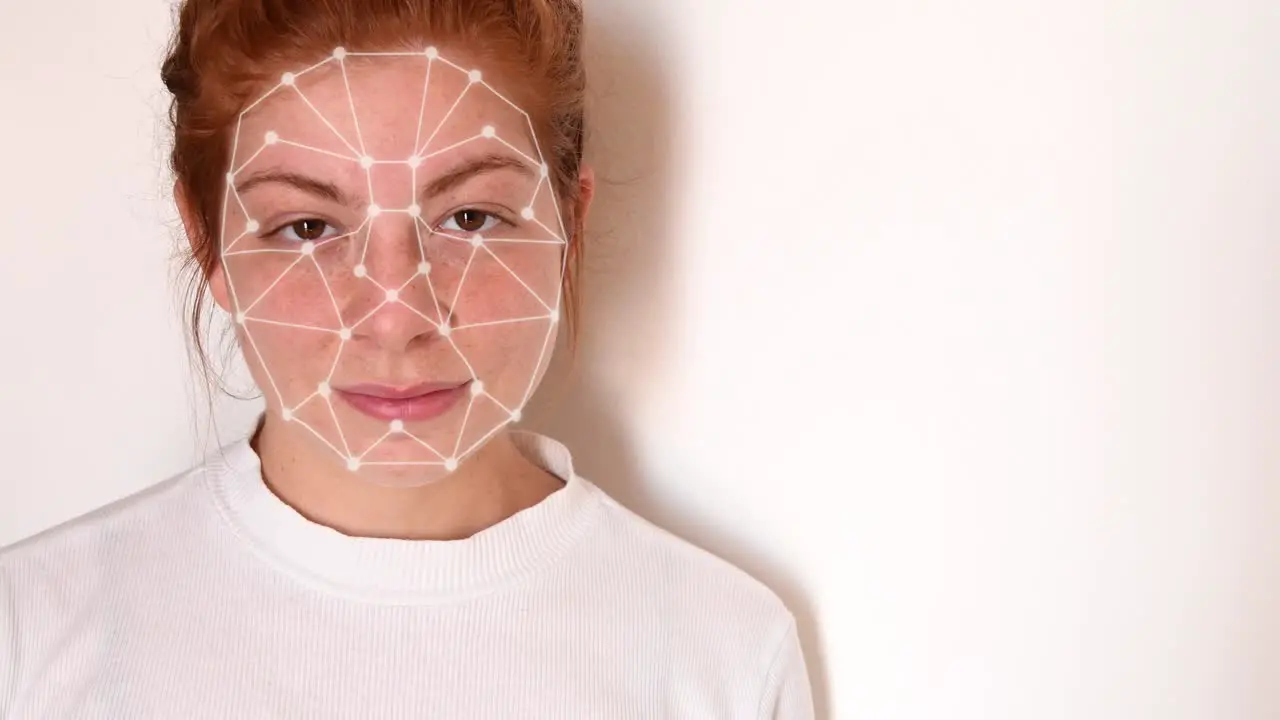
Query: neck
x=493 y=484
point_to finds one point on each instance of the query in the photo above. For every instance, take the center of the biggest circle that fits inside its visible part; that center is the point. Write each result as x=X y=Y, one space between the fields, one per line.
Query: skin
x=296 y=302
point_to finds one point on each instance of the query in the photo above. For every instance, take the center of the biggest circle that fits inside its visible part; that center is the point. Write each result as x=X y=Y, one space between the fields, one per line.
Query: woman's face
x=392 y=253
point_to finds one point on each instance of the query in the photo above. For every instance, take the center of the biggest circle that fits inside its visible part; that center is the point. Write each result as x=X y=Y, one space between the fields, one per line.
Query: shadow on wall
x=626 y=306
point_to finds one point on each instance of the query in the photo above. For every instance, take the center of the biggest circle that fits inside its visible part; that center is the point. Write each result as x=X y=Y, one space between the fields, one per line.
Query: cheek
x=288 y=317
x=512 y=334
x=281 y=288
x=510 y=282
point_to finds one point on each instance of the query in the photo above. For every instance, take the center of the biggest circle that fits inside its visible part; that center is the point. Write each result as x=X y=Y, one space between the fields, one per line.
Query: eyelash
x=489 y=215
x=290 y=225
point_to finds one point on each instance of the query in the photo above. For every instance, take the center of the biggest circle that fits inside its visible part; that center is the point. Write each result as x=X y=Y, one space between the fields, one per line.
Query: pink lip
x=417 y=403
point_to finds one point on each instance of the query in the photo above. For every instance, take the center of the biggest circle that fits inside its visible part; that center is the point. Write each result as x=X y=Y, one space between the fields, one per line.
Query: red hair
x=224 y=53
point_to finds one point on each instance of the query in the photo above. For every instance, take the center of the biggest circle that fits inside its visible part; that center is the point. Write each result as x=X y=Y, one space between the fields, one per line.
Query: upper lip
x=389 y=392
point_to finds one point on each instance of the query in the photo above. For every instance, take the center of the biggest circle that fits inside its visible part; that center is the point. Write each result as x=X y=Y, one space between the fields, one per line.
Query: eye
x=470 y=220
x=305 y=230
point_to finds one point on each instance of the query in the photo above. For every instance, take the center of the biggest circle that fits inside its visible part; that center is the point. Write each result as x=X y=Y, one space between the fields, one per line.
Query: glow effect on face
x=394 y=255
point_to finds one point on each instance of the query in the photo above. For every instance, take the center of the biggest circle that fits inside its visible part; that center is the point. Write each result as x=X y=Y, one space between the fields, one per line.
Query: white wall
x=958 y=324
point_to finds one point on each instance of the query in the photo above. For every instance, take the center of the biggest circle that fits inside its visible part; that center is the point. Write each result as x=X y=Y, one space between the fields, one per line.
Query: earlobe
x=197 y=240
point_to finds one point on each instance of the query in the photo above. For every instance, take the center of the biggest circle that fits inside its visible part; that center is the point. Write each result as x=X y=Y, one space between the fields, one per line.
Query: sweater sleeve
x=8 y=645
x=787 y=692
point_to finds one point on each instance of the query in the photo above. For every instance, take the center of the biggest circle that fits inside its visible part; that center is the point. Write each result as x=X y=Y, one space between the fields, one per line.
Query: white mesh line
x=422 y=107
x=295 y=326
x=542 y=180
x=286 y=80
x=531 y=160
x=315 y=432
x=452 y=147
x=458 y=291
x=406 y=463
x=274 y=283
x=513 y=274
x=329 y=404
x=492 y=323
x=434 y=321
x=264 y=251
x=550 y=232
x=337 y=311
x=322 y=151
x=262 y=361
x=355 y=117
x=326 y=122
x=461 y=355
x=424 y=267
x=443 y=120
x=462 y=430
x=427 y=445
x=546 y=343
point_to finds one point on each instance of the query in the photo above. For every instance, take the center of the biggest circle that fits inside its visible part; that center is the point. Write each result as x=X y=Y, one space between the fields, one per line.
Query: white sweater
x=205 y=596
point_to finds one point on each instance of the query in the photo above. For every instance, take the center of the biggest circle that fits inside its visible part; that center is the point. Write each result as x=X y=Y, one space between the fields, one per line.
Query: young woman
x=386 y=198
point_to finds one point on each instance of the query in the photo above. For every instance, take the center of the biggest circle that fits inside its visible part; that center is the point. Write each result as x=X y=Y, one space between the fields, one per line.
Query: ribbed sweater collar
x=404 y=571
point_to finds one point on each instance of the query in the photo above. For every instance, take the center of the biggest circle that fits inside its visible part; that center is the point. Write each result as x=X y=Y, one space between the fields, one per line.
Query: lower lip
x=412 y=409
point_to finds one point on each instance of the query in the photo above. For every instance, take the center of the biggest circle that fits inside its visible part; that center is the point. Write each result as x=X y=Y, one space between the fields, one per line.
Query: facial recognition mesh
x=482 y=303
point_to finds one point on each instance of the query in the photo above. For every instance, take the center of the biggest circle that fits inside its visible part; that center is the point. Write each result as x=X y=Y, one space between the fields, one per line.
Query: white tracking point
x=444 y=328
x=393 y=295
x=272 y=138
x=545 y=170
x=555 y=316
x=366 y=162
x=424 y=268
x=345 y=333
x=413 y=161
x=339 y=53
x=231 y=177
x=515 y=415
x=374 y=210
x=477 y=387
x=240 y=318
x=308 y=247
x=287 y=414
x=527 y=213
x=477 y=240
x=360 y=271
x=451 y=464
x=353 y=464
x=415 y=211
x=432 y=52
x=397 y=426
x=324 y=390
x=288 y=78
x=488 y=131
x=475 y=76
x=251 y=226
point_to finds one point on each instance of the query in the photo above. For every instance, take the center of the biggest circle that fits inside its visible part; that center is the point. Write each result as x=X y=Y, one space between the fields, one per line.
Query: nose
x=394 y=306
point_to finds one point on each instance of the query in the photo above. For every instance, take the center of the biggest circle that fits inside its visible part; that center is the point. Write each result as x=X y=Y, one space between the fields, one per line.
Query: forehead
x=384 y=108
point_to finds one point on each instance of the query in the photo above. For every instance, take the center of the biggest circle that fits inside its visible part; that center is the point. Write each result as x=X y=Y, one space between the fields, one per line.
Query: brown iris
x=310 y=229
x=470 y=220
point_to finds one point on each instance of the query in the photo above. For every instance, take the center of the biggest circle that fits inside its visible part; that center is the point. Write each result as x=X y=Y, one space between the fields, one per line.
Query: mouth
x=412 y=404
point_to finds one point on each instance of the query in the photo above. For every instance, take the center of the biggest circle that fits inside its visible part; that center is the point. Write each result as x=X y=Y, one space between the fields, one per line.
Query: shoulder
x=687 y=572
x=723 y=623
x=84 y=538
x=54 y=578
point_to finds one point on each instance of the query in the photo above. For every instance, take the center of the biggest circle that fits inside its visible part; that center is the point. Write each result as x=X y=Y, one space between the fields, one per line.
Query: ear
x=198 y=239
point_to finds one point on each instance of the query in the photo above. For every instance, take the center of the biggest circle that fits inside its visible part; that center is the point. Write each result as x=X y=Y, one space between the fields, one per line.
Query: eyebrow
x=310 y=185
x=471 y=168
x=444 y=183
